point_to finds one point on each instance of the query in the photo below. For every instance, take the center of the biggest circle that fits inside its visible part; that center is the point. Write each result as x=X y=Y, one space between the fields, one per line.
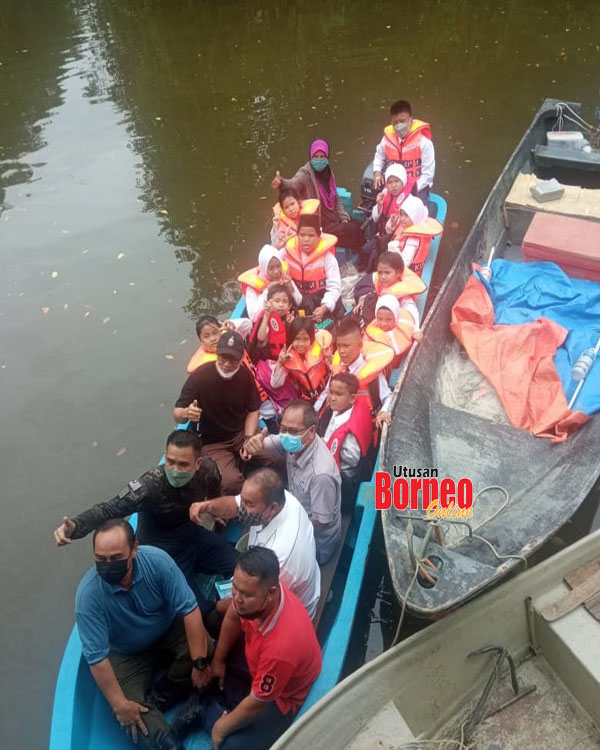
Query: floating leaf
x=182 y=342
x=120 y=256
x=122 y=452
x=169 y=356
x=54 y=274
x=105 y=320
x=86 y=313
x=45 y=310
x=95 y=444
x=66 y=306
x=164 y=212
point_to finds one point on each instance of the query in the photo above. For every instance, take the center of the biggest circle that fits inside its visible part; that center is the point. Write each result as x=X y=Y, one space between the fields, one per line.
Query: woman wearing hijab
x=255 y=282
x=316 y=180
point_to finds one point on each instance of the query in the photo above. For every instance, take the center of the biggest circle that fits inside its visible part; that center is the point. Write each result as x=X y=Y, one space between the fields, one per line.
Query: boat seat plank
x=576 y=201
x=328 y=570
x=579 y=576
x=574 y=598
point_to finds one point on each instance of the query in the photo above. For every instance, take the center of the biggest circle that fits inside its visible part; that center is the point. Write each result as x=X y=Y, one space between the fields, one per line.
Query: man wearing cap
x=221 y=398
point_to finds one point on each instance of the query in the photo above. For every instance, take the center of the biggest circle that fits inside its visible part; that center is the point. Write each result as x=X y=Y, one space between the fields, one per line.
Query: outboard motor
x=367 y=189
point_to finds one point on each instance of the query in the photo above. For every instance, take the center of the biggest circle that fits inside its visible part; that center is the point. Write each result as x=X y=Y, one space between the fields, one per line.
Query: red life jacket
x=360 y=424
x=424 y=233
x=308 y=271
x=276 y=336
x=409 y=285
x=378 y=357
x=310 y=372
x=392 y=204
x=408 y=150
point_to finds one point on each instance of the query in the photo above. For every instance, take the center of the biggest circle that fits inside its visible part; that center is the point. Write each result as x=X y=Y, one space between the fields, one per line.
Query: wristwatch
x=201 y=663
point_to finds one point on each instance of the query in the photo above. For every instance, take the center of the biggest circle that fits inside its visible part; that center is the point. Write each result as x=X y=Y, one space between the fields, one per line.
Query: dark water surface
x=137 y=144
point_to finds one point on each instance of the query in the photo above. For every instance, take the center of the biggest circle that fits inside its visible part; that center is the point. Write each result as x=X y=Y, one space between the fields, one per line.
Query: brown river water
x=137 y=145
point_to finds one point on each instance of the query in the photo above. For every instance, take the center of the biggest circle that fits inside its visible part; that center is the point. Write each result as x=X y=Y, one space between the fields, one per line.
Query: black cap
x=231 y=343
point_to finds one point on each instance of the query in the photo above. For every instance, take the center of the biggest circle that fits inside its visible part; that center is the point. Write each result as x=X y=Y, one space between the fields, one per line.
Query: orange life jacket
x=378 y=357
x=409 y=284
x=407 y=151
x=310 y=372
x=200 y=357
x=254 y=280
x=360 y=424
x=424 y=233
x=308 y=271
x=399 y=338
x=308 y=206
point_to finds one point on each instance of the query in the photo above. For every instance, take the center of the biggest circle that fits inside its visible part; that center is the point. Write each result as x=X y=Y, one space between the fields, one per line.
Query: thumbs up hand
x=254 y=444
x=276 y=183
x=194 y=412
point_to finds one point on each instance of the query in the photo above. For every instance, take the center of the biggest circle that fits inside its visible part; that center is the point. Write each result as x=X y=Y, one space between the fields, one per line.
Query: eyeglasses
x=292 y=430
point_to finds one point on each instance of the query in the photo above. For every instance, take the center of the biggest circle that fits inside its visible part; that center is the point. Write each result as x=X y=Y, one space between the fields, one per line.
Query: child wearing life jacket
x=271 y=269
x=390 y=199
x=209 y=330
x=367 y=360
x=346 y=427
x=392 y=278
x=304 y=361
x=314 y=269
x=395 y=326
x=286 y=213
x=268 y=335
x=412 y=231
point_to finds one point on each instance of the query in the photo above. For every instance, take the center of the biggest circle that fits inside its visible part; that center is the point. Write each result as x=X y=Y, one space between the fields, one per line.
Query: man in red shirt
x=282 y=653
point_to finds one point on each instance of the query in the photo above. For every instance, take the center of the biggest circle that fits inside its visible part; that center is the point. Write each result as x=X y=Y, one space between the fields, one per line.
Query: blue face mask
x=319 y=164
x=291 y=443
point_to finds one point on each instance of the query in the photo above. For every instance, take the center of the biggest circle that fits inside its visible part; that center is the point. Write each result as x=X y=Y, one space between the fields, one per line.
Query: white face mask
x=402 y=129
x=226 y=375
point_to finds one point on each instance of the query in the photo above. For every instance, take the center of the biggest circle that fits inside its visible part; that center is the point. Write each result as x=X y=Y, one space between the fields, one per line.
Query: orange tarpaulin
x=518 y=362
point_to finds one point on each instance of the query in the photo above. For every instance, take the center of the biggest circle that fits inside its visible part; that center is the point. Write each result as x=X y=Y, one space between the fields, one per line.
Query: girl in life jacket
x=390 y=199
x=268 y=336
x=304 y=362
x=255 y=282
x=346 y=427
x=412 y=231
x=286 y=213
x=395 y=326
x=392 y=278
x=314 y=269
x=209 y=330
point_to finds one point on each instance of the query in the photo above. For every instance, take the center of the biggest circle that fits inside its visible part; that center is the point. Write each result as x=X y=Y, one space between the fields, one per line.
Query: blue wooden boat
x=81 y=717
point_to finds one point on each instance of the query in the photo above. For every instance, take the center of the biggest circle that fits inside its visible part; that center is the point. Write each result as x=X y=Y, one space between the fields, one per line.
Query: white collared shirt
x=350 y=450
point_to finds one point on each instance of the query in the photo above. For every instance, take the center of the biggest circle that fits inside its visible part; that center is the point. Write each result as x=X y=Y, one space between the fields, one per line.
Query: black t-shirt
x=224 y=403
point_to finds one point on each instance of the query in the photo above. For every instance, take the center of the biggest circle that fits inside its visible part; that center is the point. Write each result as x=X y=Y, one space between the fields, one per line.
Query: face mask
x=112 y=571
x=401 y=129
x=319 y=164
x=178 y=478
x=226 y=375
x=250 y=519
x=291 y=443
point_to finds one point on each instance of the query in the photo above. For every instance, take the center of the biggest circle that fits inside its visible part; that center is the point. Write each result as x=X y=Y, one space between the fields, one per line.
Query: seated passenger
x=313 y=476
x=269 y=332
x=406 y=141
x=392 y=278
x=209 y=330
x=286 y=213
x=347 y=428
x=255 y=282
x=162 y=497
x=279 y=522
x=282 y=660
x=314 y=269
x=368 y=361
x=396 y=325
x=412 y=233
x=133 y=606
x=221 y=397
x=390 y=199
x=316 y=180
x=304 y=361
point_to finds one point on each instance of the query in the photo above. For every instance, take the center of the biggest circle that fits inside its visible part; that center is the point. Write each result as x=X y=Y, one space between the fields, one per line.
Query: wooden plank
x=328 y=570
x=578 y=576
x=580 y=594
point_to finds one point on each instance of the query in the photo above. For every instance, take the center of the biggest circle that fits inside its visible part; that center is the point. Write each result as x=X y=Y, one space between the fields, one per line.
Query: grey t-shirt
x=314 y=478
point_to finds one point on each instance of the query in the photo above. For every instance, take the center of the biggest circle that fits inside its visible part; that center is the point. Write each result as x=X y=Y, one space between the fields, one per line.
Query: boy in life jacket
x=268 y=335
x=286 y=213
x=413 y=231
x=406 y=141
x=395 y=326
x=368 y=361
x=255 y=281
x=314 y=269
x=304 y=361
x=347 y=429
x=392 y=278
x=209 y=330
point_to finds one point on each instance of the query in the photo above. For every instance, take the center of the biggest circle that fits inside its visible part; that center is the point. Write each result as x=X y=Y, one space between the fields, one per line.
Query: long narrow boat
x=542 y=486
x=81 y=718
x=452 y=680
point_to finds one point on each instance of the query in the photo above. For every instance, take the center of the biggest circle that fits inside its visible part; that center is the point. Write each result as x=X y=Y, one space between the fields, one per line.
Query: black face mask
x=112 y=571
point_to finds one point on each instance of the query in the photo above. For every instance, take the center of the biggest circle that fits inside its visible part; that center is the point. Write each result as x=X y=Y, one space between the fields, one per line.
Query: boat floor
x=576 y=201
x=549 y=718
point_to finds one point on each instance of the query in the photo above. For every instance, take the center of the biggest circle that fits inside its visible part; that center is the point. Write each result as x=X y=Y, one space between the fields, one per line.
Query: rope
x=404 y=601
x=443 y=744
